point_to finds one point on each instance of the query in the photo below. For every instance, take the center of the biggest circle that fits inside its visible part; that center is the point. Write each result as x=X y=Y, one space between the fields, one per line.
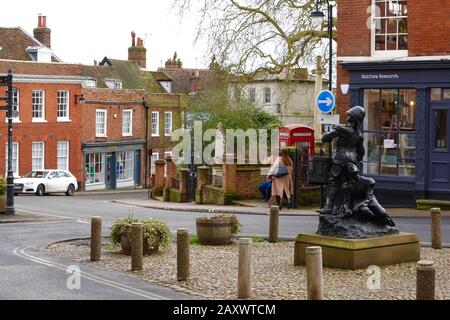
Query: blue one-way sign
x=326 y=101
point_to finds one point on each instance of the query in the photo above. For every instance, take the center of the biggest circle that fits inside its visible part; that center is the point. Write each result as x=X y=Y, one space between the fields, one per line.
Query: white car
x=42 y=182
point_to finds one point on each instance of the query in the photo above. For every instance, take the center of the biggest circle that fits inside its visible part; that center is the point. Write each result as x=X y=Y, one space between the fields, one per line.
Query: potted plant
x=3 y=188
x=156 y=235
x=217 y=230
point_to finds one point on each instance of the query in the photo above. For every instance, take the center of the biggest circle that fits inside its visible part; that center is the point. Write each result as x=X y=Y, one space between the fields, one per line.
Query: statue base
x=355 y=254
x=353 y=227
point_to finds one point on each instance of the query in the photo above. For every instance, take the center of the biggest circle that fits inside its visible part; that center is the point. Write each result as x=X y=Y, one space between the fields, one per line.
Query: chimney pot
x=39 y=21
x=133 y=39
x=139 y=42
x=44 y=21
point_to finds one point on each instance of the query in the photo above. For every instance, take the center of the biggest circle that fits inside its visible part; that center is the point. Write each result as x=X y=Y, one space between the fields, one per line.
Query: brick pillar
x=171 y=170
x=202 y=181
x=184 y=180
x=160 y=181
x=229 y=183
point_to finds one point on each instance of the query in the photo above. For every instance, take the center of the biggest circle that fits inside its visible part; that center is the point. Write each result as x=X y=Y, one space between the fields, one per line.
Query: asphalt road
x=84 y=207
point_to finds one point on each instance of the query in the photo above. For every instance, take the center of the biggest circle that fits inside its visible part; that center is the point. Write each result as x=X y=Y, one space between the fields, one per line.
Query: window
x=118 y=85
x=100 y=123
x=63 y=105
x=155 y=124
x=441 y=125
x=155 y=157
x=15 y=159
x=390 y=132
x=37 y=155
x=16 y=104
x=127 y=123
x=38 y=105
x=125 y=166
x=168 y=124
x=252 y=94
x=391 y=25
x=62 y=155
x=267 y=95
x=94 y=172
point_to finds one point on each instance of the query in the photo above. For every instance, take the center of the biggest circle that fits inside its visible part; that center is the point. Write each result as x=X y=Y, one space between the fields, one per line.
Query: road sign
x=326 y=101
x=330 y=119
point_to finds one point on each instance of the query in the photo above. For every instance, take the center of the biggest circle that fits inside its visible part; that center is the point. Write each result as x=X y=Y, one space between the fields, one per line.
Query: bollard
x=436 y=242
x=245 y=269
x=314 y=273
x=183 y=259
x=426 y=281
x=274 y=222
x=96 y=238
x=137 y=247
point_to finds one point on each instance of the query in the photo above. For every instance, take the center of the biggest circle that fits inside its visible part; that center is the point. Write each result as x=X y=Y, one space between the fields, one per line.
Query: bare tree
x=258 y=35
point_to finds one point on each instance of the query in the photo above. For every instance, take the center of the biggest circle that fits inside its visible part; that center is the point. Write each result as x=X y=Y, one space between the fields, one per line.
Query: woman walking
x=281 y=173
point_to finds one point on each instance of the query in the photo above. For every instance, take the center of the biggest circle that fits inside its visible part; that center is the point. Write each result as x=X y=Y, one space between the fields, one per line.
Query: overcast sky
x=88 y=30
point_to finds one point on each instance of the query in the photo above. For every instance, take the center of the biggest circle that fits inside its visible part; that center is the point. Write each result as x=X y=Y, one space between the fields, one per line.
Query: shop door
x=439 y=171
x=137 y=169
x=110 y=171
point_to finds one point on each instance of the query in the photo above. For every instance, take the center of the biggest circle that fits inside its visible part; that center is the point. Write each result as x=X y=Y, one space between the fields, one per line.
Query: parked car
x=42 y=182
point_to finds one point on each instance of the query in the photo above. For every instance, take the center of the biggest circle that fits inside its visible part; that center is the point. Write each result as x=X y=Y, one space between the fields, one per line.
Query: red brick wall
x=50 y=133
x=429 y=27
x=248 y=181
x=353 y=37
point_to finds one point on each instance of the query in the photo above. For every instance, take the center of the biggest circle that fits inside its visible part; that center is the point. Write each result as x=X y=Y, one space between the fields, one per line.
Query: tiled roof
x=14 y=43
x=182 y=78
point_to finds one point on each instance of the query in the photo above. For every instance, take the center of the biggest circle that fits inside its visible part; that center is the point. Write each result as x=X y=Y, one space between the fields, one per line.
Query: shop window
x=390 y=25
x=441 y=125
x=94 y=168
x=436 y=94
x=389 y=132
x=125 y=166
x=446 y=94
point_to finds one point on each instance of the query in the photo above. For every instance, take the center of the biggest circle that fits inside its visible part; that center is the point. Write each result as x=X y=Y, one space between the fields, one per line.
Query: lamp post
x=317 y=18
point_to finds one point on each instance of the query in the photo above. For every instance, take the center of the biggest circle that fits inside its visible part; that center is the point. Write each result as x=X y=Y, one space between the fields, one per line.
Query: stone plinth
x=359 y=254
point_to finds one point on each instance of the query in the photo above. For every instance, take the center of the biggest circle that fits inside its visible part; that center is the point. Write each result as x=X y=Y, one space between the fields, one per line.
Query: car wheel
x=70 y=190
x=40 y=190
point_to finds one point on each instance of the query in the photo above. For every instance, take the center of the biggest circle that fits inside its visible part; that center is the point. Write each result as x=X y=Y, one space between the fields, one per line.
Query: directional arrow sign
x=326 y=101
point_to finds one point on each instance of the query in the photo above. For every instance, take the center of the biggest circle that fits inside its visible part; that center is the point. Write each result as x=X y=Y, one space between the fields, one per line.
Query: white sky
x=88 y=30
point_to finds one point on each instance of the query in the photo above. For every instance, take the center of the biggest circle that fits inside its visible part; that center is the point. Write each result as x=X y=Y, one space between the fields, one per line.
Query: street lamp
x=317 y=18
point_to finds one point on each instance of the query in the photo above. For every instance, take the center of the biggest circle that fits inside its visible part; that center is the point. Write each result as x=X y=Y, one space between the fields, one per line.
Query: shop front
x=406 y=129
x=110 y=166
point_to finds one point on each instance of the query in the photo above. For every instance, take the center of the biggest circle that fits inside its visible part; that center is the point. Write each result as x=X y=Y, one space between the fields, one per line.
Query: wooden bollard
x=436 y=241
x=245 y=269
x=137 y=247
x=426 y=281
x=96 y=238
x=183 y=258
x=314 y=271
x=274 y=222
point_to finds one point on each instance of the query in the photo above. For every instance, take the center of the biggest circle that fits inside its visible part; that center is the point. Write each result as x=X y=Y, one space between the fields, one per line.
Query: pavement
x=255 y=207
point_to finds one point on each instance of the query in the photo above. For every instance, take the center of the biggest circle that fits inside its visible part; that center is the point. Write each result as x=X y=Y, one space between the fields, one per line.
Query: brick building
x=101 y=122
x=395 y=57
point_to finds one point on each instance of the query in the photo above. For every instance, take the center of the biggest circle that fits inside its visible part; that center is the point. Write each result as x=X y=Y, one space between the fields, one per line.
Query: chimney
x=42 y=33
x=174 y=63
x=137 y=52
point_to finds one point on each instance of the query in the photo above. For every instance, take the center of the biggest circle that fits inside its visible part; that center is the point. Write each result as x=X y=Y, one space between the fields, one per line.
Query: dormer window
x=40 y=54
x=114 y=84
x=390 y=26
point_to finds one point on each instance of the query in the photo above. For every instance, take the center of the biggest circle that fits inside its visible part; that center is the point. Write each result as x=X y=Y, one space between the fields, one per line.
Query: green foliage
x=154 y=230
x=3 y=186
x=258 y=240
x=194 y=241
x=235 y=224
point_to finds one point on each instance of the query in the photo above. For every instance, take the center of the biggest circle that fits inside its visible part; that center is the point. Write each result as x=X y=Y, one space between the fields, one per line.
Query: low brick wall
x=248 y=180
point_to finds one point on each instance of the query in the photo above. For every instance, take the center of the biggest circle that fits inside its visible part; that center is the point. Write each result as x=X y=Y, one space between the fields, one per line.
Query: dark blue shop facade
x=407 y=127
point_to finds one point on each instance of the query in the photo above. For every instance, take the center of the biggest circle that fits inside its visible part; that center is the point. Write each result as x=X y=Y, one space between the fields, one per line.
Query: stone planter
x=2 y=203
x=213 y=232
x=125 y=243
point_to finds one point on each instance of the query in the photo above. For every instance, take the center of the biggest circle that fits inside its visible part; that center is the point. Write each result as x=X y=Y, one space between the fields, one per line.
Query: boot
x=331 y=199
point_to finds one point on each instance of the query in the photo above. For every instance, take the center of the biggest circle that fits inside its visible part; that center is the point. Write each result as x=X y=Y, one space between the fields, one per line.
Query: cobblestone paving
x=214 y=273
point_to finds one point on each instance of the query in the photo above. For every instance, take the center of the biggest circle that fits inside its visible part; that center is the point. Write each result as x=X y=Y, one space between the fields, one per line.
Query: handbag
x=281 y=171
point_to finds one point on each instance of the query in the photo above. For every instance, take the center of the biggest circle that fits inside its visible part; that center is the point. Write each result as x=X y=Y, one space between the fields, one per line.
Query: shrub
x=3 y=186
x=235 y=225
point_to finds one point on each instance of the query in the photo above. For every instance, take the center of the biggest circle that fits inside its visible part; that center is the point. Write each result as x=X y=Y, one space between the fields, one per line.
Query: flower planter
x=2 y=203
x=214 y=232
x=125 y=243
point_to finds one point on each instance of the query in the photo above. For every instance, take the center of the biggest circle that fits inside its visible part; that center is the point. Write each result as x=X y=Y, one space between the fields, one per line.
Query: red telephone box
x=297 y=135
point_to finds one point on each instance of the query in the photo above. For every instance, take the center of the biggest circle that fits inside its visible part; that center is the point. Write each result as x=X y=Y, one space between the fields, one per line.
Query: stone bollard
x=436 y=242
x=426 y=281
x=274 y=222
x=314 y=273
x=245 y=269
x=96 y=238
x=137 y=247
x=183 y=259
